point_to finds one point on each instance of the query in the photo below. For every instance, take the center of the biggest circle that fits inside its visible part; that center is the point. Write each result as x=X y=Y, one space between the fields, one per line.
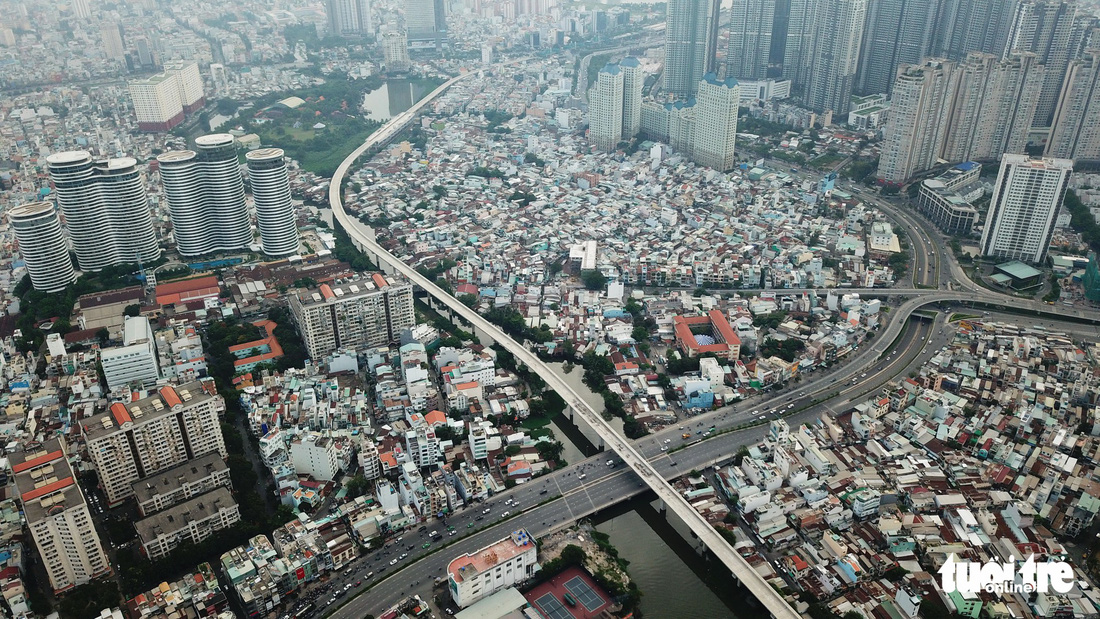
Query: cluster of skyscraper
x=425 y=20
x=1036 y=74
x=703 y=128
x=108 y=221
x=831 y=49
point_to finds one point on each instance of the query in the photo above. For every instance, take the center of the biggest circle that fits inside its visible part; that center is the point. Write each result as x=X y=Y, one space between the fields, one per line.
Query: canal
x=674 y=579
x=657 y=548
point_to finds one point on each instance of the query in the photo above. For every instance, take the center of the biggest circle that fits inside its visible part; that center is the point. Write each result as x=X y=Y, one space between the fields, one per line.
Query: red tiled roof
x=171 y=398
x=37 y=461
x=47 y=489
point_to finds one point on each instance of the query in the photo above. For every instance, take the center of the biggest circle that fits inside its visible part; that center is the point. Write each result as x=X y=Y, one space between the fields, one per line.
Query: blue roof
x=967 y=165
x=712 y=78
x=630 y=62
x=610 y=68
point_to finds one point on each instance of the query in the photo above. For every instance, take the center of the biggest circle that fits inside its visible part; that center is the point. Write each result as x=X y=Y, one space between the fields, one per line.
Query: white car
x=663 y=448
x=667 y=441
x=393 y=561
x=486 y=510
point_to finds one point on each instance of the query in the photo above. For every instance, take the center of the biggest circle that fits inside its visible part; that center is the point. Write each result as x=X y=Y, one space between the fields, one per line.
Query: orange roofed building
x=719 y=339
x=506 y=563
x=182 y=291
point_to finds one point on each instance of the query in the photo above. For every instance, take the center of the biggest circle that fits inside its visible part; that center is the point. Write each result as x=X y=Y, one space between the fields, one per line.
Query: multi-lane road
x=602 y=485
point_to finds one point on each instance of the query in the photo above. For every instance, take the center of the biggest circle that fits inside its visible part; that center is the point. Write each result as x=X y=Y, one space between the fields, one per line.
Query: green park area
x=325 y=127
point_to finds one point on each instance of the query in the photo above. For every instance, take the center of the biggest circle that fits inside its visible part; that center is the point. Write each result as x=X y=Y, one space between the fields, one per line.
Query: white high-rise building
x=135 y=362
x=750 y=39
x=916 y=125
x=57 y=516
x=972 y=26
x=426 y=20
x=271 y=195
x=42 y=245
x=106 y=209
x=188 y=84
x=606 y=109
x=161 y=101
x=395 y=51
x=134 y=440
x=1026 y=199
x=834 y=57
x=897 y=32
x=691 y=39
x=205 y=193
x=157 y=102
x=716 y=107
x=360 y=313
x=423 y=447
x=81 y=10
x=994 y=104
x=1076 y=130
x=1044 y=27
x=633 y=80
x=111 y=35
x=349 y=18
x=796 y=51
x=220 y=78
x=315 y=455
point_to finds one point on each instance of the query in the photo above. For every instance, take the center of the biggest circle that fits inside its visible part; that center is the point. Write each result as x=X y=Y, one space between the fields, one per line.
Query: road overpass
x=771 y=599
x=364 y=240
x=604 y=487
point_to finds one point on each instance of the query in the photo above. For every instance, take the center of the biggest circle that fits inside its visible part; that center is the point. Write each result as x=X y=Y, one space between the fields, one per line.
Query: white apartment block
x=715 y=136
x=1076 y=129
x=506 y=563
x=189 y=84
x=191 y=521
x=161 y=101
x=370 y=463
x=395 y=51
x=915 y=129
x=995 y=101
x=58 y=516
x=180 y=483
x=316 y=456
x=1026 y=200
x=423 y=447
x=606 y=109
x=361 y=313
x=138 y=439
x=837 y=31
x=157 y=102
x=633 y=80
x=136 y=361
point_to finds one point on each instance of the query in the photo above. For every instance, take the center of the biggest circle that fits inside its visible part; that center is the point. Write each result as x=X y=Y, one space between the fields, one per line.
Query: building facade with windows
x=1026 y=199
x=361 y=313
x=135 y=440
x=58 y=516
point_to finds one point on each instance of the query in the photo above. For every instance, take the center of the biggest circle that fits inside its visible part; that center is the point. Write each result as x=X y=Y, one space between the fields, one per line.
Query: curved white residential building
x=271 y=195
x=106 y=209
x=42 y=245
x=205 y=193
